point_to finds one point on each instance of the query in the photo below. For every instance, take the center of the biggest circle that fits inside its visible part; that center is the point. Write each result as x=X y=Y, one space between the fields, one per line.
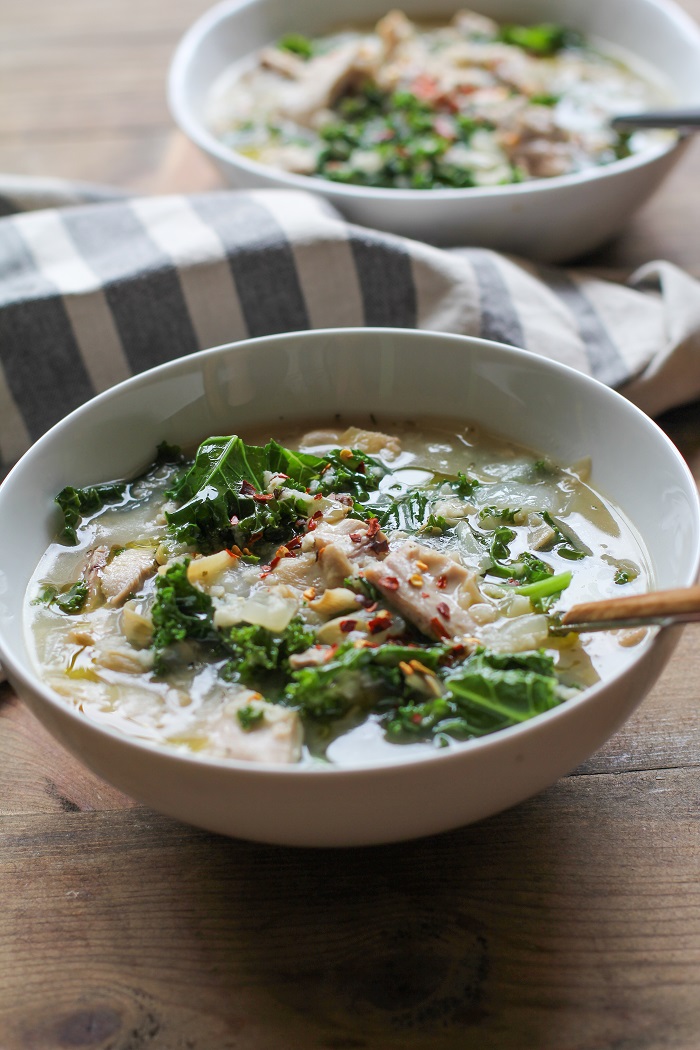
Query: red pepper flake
x=343 y=498
x=379 y=546
x=441 y=582
x=263 y=497
x=379 y=623
x=247 y=489
x=292 y=544
x=416 y=719
x=366 y=604
x=324 y=468
x=389 y=583
x=285 y=476
x=310 y=525
x=372 y=527
x=233 y=552
x=356 y=537
x=439 y=628
x=317 y=515
x=254 y=538
x=347 y=625
x=265 y=570
x=444 y=609
x=319 y=495
x=424 y=594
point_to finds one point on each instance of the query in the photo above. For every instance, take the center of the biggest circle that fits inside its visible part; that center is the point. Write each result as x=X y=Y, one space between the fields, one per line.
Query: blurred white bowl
x=548 y=219
x=354 y=371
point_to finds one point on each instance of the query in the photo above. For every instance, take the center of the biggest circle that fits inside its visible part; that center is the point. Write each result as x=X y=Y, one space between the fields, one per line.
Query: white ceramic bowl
x=354 y=371
x=548 y=219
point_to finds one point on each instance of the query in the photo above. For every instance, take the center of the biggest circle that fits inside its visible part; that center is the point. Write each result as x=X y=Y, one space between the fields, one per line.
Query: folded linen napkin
x=98 y=286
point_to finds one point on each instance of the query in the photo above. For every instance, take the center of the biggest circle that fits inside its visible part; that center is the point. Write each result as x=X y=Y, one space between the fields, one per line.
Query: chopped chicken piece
x=275 y=734
x=324 y=78
x=92 y=574
x=431 y=597
x=286 y=63
x=126 y=573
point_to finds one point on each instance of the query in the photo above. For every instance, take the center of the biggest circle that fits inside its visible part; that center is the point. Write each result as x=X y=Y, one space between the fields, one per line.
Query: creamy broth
x=377 y=609
x=408 y=106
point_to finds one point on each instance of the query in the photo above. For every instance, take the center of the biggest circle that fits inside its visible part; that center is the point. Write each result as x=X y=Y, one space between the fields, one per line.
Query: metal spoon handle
x=682 y=119
x=657 y=608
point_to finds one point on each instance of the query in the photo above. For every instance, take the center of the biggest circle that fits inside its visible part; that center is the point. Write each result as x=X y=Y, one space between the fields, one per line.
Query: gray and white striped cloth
x=97 y=287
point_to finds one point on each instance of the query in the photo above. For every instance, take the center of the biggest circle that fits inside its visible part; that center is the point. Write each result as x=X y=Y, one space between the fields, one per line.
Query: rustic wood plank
x=129 y=923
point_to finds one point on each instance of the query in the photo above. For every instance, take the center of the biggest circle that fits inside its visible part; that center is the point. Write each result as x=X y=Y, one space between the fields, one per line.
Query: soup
x=470 y=103
x=340 y=595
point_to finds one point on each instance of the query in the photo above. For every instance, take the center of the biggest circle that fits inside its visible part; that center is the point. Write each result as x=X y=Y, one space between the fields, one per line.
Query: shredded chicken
x=126 y=574
x=428 y=588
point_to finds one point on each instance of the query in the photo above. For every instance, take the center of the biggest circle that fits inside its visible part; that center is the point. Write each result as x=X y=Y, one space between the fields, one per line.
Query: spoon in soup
x=655 y=609
x=683 y=120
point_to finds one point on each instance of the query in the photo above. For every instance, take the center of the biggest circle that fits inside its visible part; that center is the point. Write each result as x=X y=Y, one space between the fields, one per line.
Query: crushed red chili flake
x=254 y=538
x=292 y=544
x=441 y=582
x=310 y=525
x=343 y=498
x=379 y=546
x=319 y=495
x=265 y=570
x=263 y=497
x=372 y=527
x=247 y=489
x=233 y=552
x=317 y=515
x=444 y=609
x=416 y=719
x=424 y=594
x=356 y=537
x=439 y=628
x=389 y=583
x=379 y=623
x=347 y=625
x=285 y=476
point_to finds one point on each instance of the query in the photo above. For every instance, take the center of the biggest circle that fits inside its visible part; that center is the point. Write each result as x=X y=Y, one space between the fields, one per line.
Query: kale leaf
x=487 y=692
x=181 y=612
x=72 y=600
x=353 y=677
x=77 y=502
x=542 y=40
x=255 y=652
x=223 y=497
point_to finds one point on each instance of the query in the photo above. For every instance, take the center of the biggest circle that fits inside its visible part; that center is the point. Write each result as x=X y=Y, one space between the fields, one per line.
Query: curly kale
x=256 y=652
x=487 y=692
x=224 y=500
x=181 y=612
x=75 y=503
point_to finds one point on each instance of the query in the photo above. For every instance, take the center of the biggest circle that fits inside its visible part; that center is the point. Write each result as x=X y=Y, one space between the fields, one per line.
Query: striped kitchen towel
x=95 y=287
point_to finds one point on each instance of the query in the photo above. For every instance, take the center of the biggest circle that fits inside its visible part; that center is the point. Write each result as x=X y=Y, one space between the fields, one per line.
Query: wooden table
x=571 y=922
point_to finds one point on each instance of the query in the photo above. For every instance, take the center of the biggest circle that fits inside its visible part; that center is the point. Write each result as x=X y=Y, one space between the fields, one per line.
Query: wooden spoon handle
x=675 y=602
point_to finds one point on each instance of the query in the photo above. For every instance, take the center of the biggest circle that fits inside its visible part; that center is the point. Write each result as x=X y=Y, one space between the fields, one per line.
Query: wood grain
x=571 y=922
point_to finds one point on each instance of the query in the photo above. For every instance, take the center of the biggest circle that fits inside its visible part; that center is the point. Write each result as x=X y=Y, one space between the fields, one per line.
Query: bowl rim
x=197 y=130
x=29 y=677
